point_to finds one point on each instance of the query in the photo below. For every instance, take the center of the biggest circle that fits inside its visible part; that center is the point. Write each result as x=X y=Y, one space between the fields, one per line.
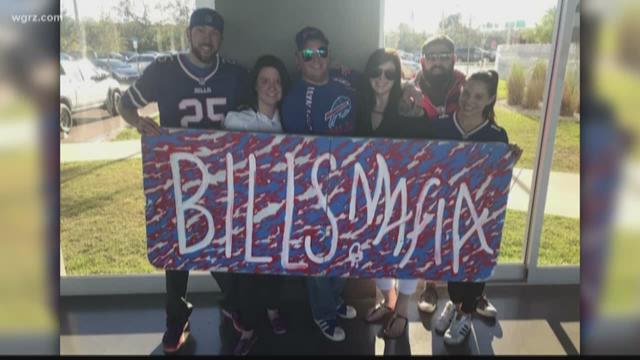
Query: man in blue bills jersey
x=321 y=104
x=193 y=90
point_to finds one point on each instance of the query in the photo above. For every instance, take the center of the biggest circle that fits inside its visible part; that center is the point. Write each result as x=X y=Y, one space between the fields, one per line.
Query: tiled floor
x=531 y=320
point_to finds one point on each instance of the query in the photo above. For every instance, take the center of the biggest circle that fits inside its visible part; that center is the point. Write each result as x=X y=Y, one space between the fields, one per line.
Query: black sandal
x=381 y=306
x=395 y=317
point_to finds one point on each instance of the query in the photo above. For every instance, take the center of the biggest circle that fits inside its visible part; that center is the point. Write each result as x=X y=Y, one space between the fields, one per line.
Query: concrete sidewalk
x=563 y=197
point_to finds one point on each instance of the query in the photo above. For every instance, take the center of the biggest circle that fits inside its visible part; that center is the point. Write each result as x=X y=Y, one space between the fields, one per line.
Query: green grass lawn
x=130 y=133
x=502 y=90
x=102 y=225
x=523 y=130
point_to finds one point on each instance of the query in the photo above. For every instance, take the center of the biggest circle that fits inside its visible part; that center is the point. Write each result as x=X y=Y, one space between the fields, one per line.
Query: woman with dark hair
x=269 y=81
x=380 y=94
x=474 y=121
x=378 y=117
x=259 y=112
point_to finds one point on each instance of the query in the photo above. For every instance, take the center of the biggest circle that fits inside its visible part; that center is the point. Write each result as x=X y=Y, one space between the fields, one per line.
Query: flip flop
x=380 y=307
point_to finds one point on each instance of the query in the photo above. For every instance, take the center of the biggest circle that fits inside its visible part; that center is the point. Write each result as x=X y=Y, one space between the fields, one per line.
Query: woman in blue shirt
x=474 y=121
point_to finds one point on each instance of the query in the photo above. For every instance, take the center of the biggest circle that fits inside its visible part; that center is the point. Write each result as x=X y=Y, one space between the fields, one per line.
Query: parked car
x=120 y=70
x=471 y=54
x=127 y=54
x=113 y=55
x=83 y=86
x=140 y=62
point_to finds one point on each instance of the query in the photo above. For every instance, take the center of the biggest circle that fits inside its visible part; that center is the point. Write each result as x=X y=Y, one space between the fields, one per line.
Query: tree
x=405 y=38
x=69 y=33
x=462 y=35
x=542 y=32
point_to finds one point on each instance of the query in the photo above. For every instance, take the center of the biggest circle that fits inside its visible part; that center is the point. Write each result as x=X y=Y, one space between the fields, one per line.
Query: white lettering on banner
x=190 y=204
x=421 y=220
x=463 y=194
x=322 y=201
x=248 y=242
x=383 y=178
x=288 y=219
x=439 y=232
x=230 y=197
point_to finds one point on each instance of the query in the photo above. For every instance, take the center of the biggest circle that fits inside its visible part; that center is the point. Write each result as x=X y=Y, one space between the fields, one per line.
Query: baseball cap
x=438 y=39
x=207 y=17
x=310 y=33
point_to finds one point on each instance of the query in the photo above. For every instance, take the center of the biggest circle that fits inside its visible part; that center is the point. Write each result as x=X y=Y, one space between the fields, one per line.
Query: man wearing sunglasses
x=440 y=86
x=439 y=83
x=321 y=103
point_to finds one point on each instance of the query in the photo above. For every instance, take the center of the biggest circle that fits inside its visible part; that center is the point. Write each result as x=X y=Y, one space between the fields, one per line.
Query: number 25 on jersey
x=198 y=113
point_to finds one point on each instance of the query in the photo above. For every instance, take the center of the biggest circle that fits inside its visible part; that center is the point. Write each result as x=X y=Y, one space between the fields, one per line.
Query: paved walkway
x=563 y=195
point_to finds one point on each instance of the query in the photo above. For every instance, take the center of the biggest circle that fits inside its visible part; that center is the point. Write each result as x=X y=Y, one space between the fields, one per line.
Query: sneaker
x=174 y=337
x=345 y=311
x=428 y=299
x=486 y=308
x=278 y=325
x=458 y=331
x=331 y=330
x=176 y=334
x=245 y=345
x=444 y=319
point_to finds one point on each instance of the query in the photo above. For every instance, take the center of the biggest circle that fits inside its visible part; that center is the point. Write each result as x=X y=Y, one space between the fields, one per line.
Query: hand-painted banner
x=350 y=207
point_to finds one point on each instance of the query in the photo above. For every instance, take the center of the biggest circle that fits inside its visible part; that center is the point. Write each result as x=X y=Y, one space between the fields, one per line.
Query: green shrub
x=571 y=93
x=515 y=85
x=535 y=86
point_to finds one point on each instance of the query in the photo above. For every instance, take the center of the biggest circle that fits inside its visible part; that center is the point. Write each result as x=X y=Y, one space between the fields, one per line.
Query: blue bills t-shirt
x=321 y=110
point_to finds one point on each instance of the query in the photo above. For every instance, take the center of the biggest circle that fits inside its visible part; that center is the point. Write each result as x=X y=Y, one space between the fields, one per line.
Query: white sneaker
x=486 y=308
x=331 y=330
x=428 y=299
x=444 y=319
x=458 y=331
x=345 y=311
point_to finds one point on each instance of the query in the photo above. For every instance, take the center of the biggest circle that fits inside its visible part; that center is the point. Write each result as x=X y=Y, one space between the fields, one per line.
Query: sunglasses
x=389 y=74
x=307 y=54
x=441 y=57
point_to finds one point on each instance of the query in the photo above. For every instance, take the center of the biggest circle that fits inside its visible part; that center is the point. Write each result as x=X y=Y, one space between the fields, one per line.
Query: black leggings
x=246 y=294
x=466 y=293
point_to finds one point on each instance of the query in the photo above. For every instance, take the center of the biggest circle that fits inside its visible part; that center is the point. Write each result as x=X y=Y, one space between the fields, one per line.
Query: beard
x=207 y=59
x=438 y=78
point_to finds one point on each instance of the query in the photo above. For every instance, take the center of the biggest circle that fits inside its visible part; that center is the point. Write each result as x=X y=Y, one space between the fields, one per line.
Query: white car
x=83 y=86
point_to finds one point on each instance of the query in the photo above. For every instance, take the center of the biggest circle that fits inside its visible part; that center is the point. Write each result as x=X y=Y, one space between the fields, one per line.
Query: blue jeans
x=325 y=296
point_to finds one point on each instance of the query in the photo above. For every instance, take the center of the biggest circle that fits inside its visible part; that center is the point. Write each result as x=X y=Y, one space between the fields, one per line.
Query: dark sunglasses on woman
x=389 y=74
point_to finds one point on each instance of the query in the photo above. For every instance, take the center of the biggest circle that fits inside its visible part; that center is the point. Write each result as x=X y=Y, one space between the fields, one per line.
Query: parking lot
x=97 y=125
